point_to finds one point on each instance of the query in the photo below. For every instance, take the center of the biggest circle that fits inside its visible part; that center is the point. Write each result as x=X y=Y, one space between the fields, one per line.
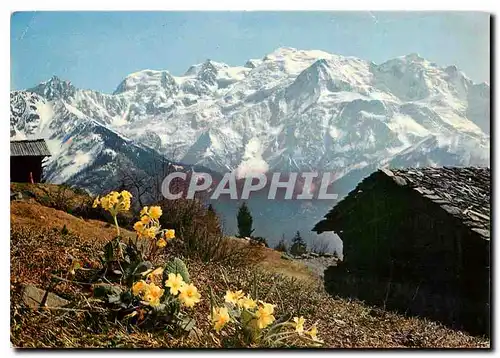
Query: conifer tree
x=245 y=221
x=299 y=246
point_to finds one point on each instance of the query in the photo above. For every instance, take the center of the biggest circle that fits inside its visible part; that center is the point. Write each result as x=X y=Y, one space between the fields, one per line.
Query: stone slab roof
x=463 y=192
x=31 y=148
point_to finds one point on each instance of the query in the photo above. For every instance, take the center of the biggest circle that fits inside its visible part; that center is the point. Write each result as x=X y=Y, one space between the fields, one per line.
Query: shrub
x=281 y=246
x=319 y=247
x=201 y=236
x=259 y=240
x=299 y=246
x=64 y=230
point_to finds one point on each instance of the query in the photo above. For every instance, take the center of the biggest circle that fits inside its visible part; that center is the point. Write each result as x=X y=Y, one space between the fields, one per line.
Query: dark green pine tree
x=245 y=221
x=299 y=246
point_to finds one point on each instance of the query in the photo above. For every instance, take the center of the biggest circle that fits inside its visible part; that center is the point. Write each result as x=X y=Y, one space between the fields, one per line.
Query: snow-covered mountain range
x=292 y=110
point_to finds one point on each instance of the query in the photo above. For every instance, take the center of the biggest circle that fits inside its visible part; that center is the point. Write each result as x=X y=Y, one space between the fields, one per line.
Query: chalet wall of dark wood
x=409 y=247
x=21 y=167
x=26 y=160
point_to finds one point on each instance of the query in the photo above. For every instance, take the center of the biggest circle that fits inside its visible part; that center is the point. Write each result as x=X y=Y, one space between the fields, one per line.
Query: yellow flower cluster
x=149 y=292
x=149 y=226
x=187 y=293
x=262 y=315
x=239 y=299
x=262 y=312
x=114 y=202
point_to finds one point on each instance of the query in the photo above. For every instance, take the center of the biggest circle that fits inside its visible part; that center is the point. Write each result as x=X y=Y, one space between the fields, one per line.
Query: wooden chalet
x=417 y=240
x=26 y=160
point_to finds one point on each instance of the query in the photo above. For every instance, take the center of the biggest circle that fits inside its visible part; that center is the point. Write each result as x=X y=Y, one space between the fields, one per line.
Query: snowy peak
x=55 y=88
x=311 y=82
x=194 y=70
x=147 y=80
x=208 y=73
x=294 y=54
x=252 y=63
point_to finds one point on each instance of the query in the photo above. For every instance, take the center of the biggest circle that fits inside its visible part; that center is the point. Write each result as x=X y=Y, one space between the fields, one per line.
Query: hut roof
x=463 y=192
x=31 y=147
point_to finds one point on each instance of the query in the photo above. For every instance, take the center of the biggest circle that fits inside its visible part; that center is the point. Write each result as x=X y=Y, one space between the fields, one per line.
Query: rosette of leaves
x=114 y=295
x=125 y=261
x=126 y=306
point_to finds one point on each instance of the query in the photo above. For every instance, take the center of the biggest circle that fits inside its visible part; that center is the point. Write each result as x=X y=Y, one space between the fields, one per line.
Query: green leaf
x=142 y=267
x=108 y=251
x=187 y=323
x=246 y=317
x=101 y=290
x=114 y=298
x=176 y=266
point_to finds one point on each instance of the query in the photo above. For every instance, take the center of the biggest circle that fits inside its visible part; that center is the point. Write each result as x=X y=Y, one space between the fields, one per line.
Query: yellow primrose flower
x=113 y=198
x=123 y=206
x=189 y=295
x=247 y=302
x=145 y=219
x=114 y=202
x=313 y=331
x=220 y=317
x=155 y=212
x=157 y=272
x=150 y=232
x=144 y=211
x=299 y=324
x=175 y=282
x=153 y=294
x=105 y=203
x=139 y=287
x=161 y=243
x=169 y=234
x=138 y=226
x=233 y=297
x=264 y=315
x=126 y=195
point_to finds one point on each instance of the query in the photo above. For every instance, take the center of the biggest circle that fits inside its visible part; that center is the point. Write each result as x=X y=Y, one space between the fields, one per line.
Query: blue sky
x=96 y=50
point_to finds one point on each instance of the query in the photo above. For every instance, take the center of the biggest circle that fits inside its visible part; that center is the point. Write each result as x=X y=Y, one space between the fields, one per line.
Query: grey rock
x=33 y=296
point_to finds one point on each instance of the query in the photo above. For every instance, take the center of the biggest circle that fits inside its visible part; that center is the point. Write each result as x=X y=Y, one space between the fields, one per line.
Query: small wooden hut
x=26 y=160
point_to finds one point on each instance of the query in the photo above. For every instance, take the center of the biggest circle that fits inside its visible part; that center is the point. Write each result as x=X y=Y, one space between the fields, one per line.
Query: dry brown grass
x=273 y=262
x=32 y=214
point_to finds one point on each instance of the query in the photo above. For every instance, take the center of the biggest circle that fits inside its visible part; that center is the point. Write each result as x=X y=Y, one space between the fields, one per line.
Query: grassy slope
x=39 y=248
